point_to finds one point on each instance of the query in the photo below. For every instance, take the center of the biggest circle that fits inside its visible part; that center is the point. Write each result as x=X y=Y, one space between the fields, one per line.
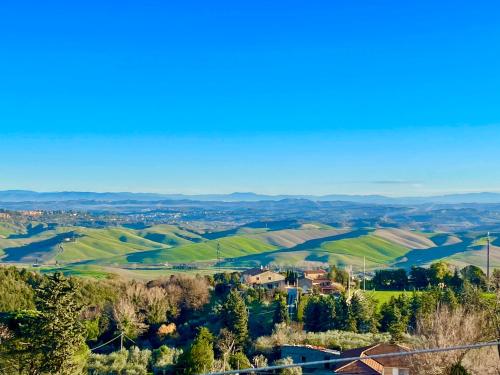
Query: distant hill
x=282 y=243
x=32 y=196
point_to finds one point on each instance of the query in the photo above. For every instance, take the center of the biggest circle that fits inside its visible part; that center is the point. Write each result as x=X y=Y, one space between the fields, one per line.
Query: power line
x=106 y=343
x=349 y=359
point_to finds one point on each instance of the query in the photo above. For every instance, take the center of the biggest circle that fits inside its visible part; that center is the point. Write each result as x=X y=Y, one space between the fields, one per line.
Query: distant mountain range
x=33 y=196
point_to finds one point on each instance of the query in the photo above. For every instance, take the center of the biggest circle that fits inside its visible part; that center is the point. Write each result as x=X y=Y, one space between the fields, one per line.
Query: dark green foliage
x=323 y=313
x=57 y=331
x=311 y=313
x=419 y=277
x=291 y=277
x=458 y=369
x=235 y=316
x=15 y=289
x=456 y=281
x=338 y=275
x=474 y=275
x=50 y=339
x=362 y=313
x=200 y=356
x=281 y=311
x=390 y=279
x=239 y=361
x=395 y=316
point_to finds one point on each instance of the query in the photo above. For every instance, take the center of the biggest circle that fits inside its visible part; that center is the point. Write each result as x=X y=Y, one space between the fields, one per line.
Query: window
x=269 y=278
x=303 y=359
x=404 y=371
x=257 y=278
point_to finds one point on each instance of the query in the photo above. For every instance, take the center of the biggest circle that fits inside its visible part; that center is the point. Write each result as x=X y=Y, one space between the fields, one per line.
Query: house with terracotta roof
x=376 y=366
x=315 y=274
x=318 y=279
x=263 y=277
x=367 y=366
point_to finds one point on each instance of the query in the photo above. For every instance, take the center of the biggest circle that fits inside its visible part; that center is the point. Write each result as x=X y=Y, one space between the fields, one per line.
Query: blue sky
x=317 y=97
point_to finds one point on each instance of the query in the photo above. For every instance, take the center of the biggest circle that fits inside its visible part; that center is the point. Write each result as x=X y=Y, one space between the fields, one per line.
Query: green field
x=383 y=296
x=305 y=245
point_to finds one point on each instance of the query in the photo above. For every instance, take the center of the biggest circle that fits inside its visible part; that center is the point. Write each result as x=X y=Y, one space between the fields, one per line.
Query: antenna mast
x=488 y=262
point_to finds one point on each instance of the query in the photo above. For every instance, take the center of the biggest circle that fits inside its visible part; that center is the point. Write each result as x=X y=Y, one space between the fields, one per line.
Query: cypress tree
x=281 y=312
x=57 y=332
x=235 y=316
x=200 y=357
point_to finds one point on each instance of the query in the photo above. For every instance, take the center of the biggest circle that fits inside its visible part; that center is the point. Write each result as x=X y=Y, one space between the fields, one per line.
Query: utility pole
x=121 y=341
x=488 y=262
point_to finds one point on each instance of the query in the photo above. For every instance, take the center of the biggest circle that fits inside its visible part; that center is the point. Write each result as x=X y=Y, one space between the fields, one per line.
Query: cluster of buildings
x=356 y=361
x=307 y=280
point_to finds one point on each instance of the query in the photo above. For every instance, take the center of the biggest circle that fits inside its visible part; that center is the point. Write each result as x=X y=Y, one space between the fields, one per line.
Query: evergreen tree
x=57 y=331
x=281 y=312
x=235 y=316
x=311 y=313
x=456 y=281
x=341 y=312
x=394 y=318
x=474 y=275
x=327 y=313
x=362 y=314
x=239 y=361
x=199 y=358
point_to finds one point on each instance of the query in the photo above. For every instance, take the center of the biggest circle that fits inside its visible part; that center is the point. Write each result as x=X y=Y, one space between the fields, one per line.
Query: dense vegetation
x=52 y=324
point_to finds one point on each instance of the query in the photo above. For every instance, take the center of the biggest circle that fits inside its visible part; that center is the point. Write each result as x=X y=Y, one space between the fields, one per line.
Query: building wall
x=264 y=277
x=303 y=354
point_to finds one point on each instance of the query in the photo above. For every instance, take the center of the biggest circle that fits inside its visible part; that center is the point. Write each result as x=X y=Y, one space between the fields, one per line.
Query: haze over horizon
x=396 y=99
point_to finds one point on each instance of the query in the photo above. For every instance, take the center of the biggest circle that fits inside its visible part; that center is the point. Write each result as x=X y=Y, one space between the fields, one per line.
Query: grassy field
x=230 y=247
x=383 y=296
x=104 y=243
x=284 y=244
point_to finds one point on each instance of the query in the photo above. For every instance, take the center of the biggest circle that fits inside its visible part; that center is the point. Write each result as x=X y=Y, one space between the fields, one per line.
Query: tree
x=419 y=277
x=165 y=358
x=390 y=279
x=495 y=279
x=456 y=281
x=239 y=361
x=200 y=357
x=362 y=314
x=57 y=332
x=281 y=311
x=290 y=370
x=235 y=316
x=338 y=275
x=226 y=344
x=395 y=316
x=439 y=272
x=474 y=275
x=341 y=312
x=311 y=313
x=131 y=361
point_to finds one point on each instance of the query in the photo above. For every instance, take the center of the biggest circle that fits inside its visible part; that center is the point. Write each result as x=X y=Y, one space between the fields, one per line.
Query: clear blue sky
x=392 y=97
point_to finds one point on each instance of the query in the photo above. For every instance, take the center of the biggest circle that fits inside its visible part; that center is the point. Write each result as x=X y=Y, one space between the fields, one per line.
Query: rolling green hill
x=230 y=247
x=296 y=245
